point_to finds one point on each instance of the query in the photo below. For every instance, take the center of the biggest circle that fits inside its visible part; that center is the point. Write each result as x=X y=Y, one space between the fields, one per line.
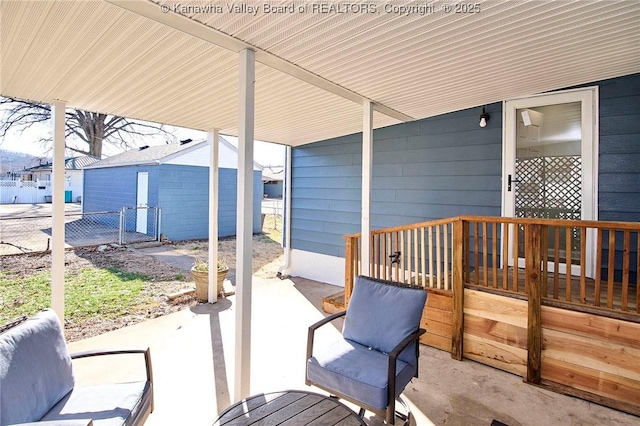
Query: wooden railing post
x=350 y=248
x=457 y=338
x=533 y=250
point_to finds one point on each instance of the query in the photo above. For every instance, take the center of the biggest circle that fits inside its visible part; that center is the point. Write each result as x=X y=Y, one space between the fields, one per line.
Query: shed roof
x=146 y=154
x=159 y=154
x=176 y=62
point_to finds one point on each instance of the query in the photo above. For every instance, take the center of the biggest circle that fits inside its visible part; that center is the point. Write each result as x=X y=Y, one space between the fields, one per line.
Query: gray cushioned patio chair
x=37 y=384
x=377 y=355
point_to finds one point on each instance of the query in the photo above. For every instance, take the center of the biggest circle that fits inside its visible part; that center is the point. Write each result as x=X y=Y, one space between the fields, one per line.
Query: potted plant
x=200 y=272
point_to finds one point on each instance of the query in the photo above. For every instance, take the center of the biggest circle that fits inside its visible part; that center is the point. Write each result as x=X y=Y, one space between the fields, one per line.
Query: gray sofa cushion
x=381 y=315
x=334 y=368
x=107 y=405
x=35 y=369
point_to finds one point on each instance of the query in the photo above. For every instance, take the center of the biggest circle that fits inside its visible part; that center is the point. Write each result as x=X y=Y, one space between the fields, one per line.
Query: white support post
x=214 y=149
x=57 y=226
x=367 y=164
x=244 y=228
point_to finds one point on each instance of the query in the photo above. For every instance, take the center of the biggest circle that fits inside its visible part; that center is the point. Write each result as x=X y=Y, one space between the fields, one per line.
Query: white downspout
x=282 y=271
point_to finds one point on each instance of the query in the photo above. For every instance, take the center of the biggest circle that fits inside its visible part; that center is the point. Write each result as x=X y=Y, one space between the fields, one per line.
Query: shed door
x=142 y=202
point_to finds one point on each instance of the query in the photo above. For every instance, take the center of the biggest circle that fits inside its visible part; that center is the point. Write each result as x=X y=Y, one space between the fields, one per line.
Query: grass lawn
x=90 y=292
x=105 y=290
x=272 y=227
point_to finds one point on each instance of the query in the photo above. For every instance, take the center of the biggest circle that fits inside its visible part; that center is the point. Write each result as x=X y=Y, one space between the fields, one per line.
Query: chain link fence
x=30 y=234
x=139 y=224
x=272 y=212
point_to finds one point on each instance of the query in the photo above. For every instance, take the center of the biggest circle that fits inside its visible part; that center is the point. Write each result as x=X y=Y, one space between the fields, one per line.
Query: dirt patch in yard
x=163 y=279
x=267 y=255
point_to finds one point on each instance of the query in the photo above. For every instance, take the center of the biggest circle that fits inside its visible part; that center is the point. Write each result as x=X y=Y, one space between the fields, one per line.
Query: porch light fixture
x=484 y=117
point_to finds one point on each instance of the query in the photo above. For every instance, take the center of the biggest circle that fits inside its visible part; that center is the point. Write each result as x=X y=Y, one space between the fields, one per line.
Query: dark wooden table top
x=290 y=408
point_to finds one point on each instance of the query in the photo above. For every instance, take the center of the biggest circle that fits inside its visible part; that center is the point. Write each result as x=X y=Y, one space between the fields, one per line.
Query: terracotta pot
x=202 y=283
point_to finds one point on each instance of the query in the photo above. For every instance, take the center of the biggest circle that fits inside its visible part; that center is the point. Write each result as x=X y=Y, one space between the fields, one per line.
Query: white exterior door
x=142 y=200
x=550 y=162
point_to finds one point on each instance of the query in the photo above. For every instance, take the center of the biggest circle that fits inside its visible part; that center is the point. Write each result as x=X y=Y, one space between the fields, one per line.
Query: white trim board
x=318 y=267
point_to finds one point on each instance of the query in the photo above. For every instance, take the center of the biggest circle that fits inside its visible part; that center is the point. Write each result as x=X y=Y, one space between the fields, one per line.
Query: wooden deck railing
x=419 y=254
x=580 y=263
x=586 y=266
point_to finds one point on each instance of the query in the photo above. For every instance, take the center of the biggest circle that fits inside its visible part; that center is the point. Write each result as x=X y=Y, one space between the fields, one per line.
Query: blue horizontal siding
x=447 y=166
x=329 y=182
x=326 y=171
x=273 y=190
x=184 y=199
x=421 y=171
x=330 y=249
x=111 y=189
x=619 y=163
x=619 y=149
x=181 y=192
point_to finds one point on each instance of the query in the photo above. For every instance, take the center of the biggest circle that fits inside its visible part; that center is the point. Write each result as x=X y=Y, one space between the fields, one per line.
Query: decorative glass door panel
x=549 y=171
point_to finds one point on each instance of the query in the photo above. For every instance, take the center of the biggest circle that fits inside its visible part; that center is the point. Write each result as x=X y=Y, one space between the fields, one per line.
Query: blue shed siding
x=428 y=169
x=110 y=189
x=184 y=200
x=181 y=192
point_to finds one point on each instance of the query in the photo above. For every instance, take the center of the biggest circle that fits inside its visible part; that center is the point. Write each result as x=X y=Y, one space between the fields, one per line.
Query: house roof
x=71 y=163
x=273 y=173
x=177 y=62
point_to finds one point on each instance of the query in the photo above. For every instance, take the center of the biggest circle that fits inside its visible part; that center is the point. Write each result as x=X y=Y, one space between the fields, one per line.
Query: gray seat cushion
x=107 y=405
x=358 y=372
x=35 y=369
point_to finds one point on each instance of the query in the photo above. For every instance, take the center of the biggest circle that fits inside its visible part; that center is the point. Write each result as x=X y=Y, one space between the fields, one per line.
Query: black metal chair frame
x=390 y=413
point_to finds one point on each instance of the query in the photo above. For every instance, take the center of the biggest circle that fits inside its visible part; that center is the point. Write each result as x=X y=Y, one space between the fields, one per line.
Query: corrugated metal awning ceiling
x=101 y=57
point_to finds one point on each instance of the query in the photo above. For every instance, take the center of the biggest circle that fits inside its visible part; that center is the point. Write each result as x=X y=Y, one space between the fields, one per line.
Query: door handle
x=510 y=181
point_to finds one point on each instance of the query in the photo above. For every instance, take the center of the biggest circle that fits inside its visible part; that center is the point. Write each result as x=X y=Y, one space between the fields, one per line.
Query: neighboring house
x=448 y=165
x=273 y=179
x=175 y=178
x=33 y=185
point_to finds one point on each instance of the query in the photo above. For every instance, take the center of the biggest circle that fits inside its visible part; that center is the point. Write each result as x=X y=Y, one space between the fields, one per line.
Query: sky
x=266 y=154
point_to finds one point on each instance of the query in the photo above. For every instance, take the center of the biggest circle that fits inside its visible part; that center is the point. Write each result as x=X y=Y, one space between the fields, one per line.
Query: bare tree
x=92 y=128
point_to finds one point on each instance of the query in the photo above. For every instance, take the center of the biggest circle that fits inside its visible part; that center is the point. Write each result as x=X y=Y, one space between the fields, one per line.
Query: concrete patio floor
x=192 y=352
